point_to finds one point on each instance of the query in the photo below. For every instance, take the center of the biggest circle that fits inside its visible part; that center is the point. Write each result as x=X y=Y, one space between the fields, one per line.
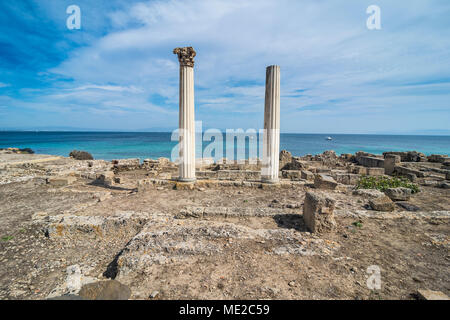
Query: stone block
x=359 y=170
x=285 y=158
x=105 y=178
x=346 y=156
x=375 y=171
x=323 y=170
x=307 y=175
x=105 y=290
x=318 y=212
x=404 y=171
x=440 y=158
x=390 y=161
x=126 y=164
x=371 y=162
x=407 y=156
x=295 y=164
x=398 y=194
x=294 y=175
x=445 y=185
x=411 y=177
x=184 y=186
x=347 y=178
x=382 y=204
x=407 y=206
x=368 y=193
x=431 y=295
x=81 y=155
x=61 y=181
x=325 y=182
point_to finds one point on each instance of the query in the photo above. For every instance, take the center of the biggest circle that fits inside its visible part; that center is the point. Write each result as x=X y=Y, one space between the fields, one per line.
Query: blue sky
x=118 y=71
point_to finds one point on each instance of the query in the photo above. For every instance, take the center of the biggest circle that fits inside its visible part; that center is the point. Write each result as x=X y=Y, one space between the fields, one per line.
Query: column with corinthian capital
x=186 y=114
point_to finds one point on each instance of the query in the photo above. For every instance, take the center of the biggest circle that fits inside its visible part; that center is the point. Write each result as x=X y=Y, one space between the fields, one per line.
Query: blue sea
x=120 y=145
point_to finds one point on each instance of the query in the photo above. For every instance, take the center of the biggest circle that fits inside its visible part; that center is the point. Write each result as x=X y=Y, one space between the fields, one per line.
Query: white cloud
x=331 y=64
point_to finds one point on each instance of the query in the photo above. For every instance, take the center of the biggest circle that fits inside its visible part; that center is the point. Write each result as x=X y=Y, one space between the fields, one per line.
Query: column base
x=270 y=181
x=187 y=180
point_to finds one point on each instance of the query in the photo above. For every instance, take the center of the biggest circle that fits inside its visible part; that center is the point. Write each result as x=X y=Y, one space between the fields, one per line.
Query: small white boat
x=329 y=138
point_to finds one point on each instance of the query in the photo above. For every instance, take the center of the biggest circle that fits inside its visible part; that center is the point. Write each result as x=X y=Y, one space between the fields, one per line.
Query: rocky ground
x=67 y=222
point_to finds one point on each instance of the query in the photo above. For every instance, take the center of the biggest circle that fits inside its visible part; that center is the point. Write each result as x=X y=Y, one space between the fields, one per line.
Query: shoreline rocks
x=81 y=155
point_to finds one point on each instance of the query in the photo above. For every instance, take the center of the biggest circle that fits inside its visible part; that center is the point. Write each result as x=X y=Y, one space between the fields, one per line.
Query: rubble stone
x=407 y=206
x=390 y=161
x=382 y=204
x=347 y=178
x=438 y=158
x=325 y=182
x=398 y=194
x=61 y=181
x=291 y=174
x=81 y=155
x=285 y=158
x=105 y=290
x=318 y=212
x=431 y=295
x=370 y=193
x=371 y=162
x=106 y=178
x=375 y=171
x=307 y=175
x=407 y=156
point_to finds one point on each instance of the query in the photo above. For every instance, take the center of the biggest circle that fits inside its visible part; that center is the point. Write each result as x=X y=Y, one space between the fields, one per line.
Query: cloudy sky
x=118 y=71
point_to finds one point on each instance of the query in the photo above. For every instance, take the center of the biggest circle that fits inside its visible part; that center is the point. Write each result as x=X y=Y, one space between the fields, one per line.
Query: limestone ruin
x=282 y=227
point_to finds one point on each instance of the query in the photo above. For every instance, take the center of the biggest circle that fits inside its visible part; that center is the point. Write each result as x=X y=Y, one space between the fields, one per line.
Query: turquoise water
x=119 y=145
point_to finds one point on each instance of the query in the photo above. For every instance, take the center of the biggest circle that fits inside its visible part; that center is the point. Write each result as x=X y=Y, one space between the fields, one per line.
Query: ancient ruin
x=186 y=114
x=281 y=227
x=271 y=140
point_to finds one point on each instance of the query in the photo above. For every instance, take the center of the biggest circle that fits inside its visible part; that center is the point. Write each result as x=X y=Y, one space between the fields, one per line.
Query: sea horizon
x=109 y=145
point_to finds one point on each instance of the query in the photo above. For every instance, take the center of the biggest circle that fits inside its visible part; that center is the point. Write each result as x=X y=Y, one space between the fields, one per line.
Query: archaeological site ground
x=67 y=223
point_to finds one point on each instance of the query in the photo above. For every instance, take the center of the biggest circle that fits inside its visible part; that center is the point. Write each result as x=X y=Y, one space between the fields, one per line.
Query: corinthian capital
x=185 y=56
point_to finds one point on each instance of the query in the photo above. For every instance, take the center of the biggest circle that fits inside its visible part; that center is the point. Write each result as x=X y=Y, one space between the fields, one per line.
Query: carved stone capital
x=185 y=56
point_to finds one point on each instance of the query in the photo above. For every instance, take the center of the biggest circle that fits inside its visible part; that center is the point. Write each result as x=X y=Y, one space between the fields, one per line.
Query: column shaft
x=186 y=115
x=187 y=125
x=271 y=142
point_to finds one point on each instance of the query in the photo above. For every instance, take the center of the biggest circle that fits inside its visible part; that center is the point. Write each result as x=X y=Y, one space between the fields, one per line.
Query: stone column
x=271 y=138
x=186 y=114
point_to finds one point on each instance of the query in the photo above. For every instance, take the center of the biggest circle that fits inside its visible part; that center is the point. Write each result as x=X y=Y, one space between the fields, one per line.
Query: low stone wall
x=407 y=171
x=346 y=178
x=126 y=164
x=229 y=175
x=144 y=184
x=438 y=158
x=371 y=162
x=294 y=175
x=407 y=156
